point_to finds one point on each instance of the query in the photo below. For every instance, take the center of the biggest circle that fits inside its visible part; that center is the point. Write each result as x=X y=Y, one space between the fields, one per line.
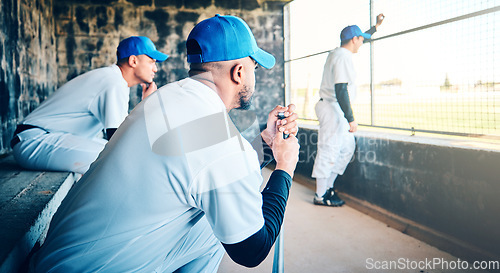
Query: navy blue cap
x=139 y=45
x=350 y=32
x=225 y=38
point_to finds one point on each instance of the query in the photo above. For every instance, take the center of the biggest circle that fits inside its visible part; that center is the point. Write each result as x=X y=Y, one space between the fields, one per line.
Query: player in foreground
x=65 y=132
x=177 y=184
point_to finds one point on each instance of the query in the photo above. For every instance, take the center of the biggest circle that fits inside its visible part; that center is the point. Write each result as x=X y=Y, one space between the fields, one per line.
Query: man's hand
x=287 y=125
x=353 y=126
x=148 y=90
x=286 y=152
x=380 y=19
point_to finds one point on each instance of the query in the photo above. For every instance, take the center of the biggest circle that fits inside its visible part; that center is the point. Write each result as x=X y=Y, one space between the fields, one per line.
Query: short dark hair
x=345 y=41
x=197 y=68
x=122 y=61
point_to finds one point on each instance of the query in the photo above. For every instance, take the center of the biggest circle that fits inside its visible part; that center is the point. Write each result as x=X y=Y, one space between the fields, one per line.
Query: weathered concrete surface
x=45 y=43
x=28 y=68
x=325 y=239
x=28 y=200
x=88 y=33
x=450 y=191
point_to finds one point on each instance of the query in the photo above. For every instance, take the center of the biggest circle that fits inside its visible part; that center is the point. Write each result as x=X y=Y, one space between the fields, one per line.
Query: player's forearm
x=372 y=30
x=253 y=250
x=343 y=99
x=274 y=198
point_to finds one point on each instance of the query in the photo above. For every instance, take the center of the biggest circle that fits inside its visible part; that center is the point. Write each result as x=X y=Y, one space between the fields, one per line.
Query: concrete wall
x=448 y=192
x=45 y=43
x=88 y=33
x=28 y=68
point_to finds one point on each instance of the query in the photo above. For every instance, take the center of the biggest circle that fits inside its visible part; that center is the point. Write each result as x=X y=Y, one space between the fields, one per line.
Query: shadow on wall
x=50 y=42
x=449 y=192
x=28 y=67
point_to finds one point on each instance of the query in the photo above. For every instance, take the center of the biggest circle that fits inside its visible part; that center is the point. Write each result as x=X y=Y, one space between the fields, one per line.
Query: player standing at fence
x=177 y=184
x=65 y=132
x=336 y=120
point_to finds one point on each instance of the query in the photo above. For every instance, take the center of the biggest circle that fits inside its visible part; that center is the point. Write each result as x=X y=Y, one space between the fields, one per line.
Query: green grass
x=468 y=117
x=454 y=115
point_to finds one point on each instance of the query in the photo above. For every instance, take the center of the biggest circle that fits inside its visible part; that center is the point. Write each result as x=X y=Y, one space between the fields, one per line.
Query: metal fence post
x=372 y=87
x=279 y=257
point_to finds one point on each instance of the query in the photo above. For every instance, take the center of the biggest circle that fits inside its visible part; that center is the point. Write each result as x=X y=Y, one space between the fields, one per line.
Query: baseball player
x=65 y=133
x=336 y=120
x=178 y=184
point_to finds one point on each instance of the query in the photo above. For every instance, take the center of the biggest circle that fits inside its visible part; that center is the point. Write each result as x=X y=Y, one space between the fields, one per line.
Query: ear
x=237 y=73
x=132 y=61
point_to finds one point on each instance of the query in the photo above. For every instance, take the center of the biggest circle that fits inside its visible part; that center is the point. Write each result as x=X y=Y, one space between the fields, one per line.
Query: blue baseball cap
x=224 y=38
x=139 y=45
x=350 y=32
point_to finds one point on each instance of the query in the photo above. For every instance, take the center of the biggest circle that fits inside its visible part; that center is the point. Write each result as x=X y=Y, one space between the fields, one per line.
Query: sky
x=465 y=51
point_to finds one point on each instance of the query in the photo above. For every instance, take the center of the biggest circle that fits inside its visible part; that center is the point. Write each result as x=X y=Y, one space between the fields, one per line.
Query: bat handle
x=281 y=115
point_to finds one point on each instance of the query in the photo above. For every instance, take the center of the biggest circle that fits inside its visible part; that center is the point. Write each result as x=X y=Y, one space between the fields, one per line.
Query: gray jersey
x=176 y=159
x=85 y=105
x=338 y=68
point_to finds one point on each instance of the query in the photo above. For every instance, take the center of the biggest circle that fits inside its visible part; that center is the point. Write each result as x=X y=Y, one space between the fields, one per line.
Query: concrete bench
x=28 y=200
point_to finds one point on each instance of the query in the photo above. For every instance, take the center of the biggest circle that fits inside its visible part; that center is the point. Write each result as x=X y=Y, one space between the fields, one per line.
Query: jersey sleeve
x=341 y=70
x=228 y=191
x=111 y=106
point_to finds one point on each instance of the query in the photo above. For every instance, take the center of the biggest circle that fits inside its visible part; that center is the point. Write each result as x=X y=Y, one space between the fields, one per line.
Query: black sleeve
x=264 y=152
x=343 y=99
x=253 y=250
x=109 y=133
x=371 y=30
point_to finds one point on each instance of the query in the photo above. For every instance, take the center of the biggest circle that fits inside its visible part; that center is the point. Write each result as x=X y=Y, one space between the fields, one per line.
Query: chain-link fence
x=432 y=66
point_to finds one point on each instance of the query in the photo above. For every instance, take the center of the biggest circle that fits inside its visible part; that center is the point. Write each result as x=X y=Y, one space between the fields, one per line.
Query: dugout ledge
x=28 y=200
